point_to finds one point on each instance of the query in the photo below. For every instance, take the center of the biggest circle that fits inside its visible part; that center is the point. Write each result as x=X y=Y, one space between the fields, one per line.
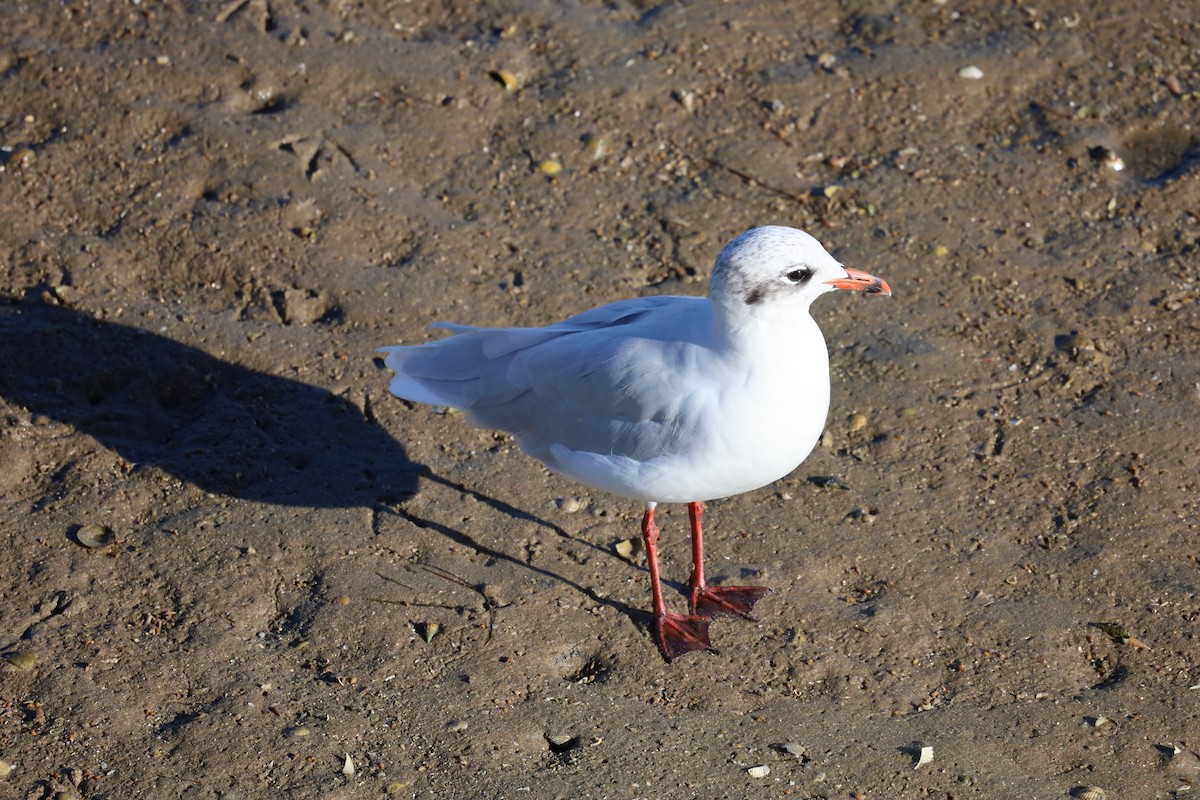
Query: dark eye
x=799 y=275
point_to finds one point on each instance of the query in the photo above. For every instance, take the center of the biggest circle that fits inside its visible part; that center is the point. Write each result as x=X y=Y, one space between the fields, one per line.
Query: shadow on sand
x=225 y=428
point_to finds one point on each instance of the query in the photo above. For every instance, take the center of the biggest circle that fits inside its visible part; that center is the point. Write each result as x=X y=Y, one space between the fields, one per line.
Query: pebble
x=6 y=768
x=507 y=78
x=550 y=167
x=596 y=146
x=304 y=306
x=427 y=630
x=857 y=422
x=96 y=537
x=971 y=73
x=456 y=725
x=21 y=661
x=399 y=786
x=562 y=742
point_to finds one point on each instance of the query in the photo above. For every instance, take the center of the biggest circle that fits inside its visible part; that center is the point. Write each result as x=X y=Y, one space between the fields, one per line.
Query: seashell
x=562 y=742
x=1089 y=793
x=506 y=78
x=96 y=537
x=427 y=630
x=761 y=771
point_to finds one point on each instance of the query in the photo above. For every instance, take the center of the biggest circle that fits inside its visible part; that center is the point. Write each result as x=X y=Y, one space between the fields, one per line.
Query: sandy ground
x=215 y=211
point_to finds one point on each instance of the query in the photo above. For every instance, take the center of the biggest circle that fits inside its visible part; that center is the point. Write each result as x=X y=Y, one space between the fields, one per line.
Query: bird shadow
x=222 y=427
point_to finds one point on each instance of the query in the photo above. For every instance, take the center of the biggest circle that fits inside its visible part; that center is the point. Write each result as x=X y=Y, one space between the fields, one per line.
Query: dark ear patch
x=755 y=297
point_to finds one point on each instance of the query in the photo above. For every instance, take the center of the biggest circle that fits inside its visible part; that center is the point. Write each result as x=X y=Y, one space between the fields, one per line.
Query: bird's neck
x=764 y=331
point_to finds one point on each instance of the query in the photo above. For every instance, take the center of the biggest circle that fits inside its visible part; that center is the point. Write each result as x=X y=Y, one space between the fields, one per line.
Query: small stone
x=971 y=73
x=427 y=630
x=21 y=661
x=550 y=167
x=399 y=786
x=625 y=548
x=793 y=749
x=857 y=422
x=298 y=732
x=456 y=725
x=686 y=98
x=302 y=305
x=506 y=78
x=761 y=771
x=6 y=768
x=96 y=537
x=596 y=146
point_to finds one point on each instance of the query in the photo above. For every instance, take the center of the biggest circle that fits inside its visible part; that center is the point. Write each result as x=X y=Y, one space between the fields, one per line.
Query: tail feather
x=462 y=371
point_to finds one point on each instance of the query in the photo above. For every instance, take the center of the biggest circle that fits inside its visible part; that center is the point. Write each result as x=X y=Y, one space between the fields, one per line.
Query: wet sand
x=216 y=211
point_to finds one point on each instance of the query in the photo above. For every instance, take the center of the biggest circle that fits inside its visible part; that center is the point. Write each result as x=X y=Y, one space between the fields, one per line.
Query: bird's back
x=589 y=382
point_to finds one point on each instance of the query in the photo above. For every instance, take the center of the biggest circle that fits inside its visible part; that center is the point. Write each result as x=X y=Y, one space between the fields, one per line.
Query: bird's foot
x=726 y=601
x=678 y=635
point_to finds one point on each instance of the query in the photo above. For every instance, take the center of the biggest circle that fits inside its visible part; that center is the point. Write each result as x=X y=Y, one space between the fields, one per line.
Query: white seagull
x=661 y=399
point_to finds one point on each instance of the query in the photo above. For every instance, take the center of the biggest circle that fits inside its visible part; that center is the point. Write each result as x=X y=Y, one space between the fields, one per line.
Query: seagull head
x=777 y=269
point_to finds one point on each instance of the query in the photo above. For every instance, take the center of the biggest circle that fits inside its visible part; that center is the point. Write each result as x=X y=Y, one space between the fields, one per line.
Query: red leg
x=676 y=634
x=713 y=601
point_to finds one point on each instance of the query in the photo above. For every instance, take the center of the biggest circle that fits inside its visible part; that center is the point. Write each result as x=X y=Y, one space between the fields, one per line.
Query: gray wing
x=611 y=380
